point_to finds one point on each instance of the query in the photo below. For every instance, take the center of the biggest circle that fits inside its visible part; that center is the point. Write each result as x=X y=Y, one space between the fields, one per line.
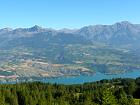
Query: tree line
x=105 y=92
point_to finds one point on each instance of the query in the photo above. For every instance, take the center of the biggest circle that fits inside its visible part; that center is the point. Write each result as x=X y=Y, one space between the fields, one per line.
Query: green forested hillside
x=104 y=92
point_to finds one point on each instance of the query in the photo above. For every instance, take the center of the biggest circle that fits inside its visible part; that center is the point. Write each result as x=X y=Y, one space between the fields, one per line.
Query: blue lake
x=98 y=76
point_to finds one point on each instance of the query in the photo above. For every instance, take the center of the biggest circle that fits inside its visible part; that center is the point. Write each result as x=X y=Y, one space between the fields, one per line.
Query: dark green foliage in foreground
x=104 y=92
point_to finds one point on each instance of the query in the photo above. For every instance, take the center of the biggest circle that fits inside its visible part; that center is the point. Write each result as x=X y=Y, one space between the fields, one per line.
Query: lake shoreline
x=71 y=79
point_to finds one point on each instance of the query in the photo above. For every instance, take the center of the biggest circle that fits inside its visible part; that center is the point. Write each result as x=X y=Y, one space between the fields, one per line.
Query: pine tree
x=107 y=97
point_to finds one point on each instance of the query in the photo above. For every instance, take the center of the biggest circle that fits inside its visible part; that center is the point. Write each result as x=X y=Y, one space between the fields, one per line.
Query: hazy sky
x=67 y=13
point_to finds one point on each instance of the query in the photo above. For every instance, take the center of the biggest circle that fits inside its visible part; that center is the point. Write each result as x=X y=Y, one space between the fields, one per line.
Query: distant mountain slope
x=35 y=51
x=122 y=33
x=118 y=33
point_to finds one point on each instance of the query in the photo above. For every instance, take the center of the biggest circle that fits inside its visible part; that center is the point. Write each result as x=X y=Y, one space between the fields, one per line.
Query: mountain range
x=119 y=34
x=38 y=52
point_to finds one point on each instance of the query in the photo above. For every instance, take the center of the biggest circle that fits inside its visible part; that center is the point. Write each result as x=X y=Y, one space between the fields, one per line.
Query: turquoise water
x=98 y=76
x=78 y=79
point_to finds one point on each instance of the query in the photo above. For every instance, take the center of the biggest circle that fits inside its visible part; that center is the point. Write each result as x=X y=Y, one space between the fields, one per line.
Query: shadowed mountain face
x=118 y=34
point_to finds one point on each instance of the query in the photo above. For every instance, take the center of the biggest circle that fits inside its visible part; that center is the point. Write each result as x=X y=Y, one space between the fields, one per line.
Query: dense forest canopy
x=104 y=92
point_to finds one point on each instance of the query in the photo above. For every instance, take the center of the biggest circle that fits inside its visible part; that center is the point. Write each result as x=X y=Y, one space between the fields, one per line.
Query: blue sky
x=67 y=13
